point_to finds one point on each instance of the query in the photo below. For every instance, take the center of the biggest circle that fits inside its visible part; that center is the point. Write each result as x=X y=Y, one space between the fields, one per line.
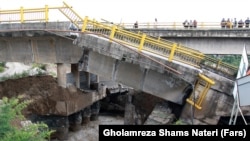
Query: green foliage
x=16 y=76
x=178 y=122
x=34 y=132
x=2 y=65
x=1 y=69
x=40 y=66
x=11 y=110
x=21 y=75
x=233 y=60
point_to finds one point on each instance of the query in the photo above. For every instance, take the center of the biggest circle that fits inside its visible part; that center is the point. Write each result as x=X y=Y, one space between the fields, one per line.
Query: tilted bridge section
x=132 y=58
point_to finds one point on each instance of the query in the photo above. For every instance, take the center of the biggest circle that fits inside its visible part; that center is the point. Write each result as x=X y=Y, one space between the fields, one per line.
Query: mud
x=44 y=93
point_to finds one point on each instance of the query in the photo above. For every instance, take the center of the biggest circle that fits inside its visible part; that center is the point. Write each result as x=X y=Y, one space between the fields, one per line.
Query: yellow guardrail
x=139 y=41
x=201 y=89
x=24 y=15
x=158 y=46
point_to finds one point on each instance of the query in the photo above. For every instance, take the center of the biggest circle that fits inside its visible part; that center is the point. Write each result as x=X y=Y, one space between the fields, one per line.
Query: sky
x=129 y=11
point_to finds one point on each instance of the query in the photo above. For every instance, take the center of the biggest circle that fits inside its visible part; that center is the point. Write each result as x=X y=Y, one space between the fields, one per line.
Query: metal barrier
x=25 y=15
x=166 y=49
x=202 y=86
x=140 y=42
x=180 y=26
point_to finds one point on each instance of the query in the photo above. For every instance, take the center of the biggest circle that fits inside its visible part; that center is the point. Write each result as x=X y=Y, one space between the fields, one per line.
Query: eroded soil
x=42 y=90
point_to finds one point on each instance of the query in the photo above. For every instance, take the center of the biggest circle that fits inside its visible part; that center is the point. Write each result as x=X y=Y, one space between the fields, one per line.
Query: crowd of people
x=186 y=24
x=190 y=24
x=233 y=23
x=229 y=23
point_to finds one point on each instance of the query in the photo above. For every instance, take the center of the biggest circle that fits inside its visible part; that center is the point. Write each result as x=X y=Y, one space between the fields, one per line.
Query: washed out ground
x=34 y=88
x=41 y=89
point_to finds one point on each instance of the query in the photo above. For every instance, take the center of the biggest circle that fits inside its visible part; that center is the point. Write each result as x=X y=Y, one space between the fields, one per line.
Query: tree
x=11 y=115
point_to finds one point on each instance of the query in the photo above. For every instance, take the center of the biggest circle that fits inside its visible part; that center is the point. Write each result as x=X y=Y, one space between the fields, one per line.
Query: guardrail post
x=218 y=64
x=94 y=23
x=171 y=56
x=201 y=90
x=84 y=23
x=46 y=13
x=159 y=38
x=21 y=15
x=174 y=25
x=202 y=24
x=142 y=42
x=114 y=27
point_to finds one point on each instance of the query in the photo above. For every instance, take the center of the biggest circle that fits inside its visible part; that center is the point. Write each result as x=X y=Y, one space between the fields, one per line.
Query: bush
x=40 y=66
x=15 y=76
x=1 y=69
x=11 y=110
x=2 y=65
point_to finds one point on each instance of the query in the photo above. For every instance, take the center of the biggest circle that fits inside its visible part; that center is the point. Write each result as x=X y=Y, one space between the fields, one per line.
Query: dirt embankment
x=42 y=90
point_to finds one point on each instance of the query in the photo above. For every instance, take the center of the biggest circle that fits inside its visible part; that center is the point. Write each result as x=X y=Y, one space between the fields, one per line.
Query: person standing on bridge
x=194 y=23
x=223 y=23
x=240 y=24
x=155 y=23
x=185 y=24
x=191 y=24
x=247 y=21
x=136 y=24
x=235 y=23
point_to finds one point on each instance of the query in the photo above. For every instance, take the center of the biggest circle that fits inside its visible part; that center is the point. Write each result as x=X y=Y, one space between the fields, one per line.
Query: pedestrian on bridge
x=155 y=24
x=185 y=23
x=195 y=23
x=136 y=24
x=191 y=24
x=247 y=21
x=240 y=24
x=235 y=23
x=223 y=23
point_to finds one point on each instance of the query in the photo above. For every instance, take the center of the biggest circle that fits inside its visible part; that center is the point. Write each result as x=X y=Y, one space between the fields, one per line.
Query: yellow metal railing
x=71 y=15
x=200 y=91
x=24 y=15
x=140 y=41
x=167 y=49
x=171 y=51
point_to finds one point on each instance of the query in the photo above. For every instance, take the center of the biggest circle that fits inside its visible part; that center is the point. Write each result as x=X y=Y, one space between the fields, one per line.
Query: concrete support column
x=97 y=79
x=75 y=121
x=85 y=80
x=86 y=113
x=129 y=113
x=95 y=108
x=88 y=78
x=76 y=74
x=61 y=74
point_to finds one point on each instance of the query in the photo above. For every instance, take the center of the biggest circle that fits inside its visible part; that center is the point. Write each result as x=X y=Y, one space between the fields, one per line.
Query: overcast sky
x=145 y=10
